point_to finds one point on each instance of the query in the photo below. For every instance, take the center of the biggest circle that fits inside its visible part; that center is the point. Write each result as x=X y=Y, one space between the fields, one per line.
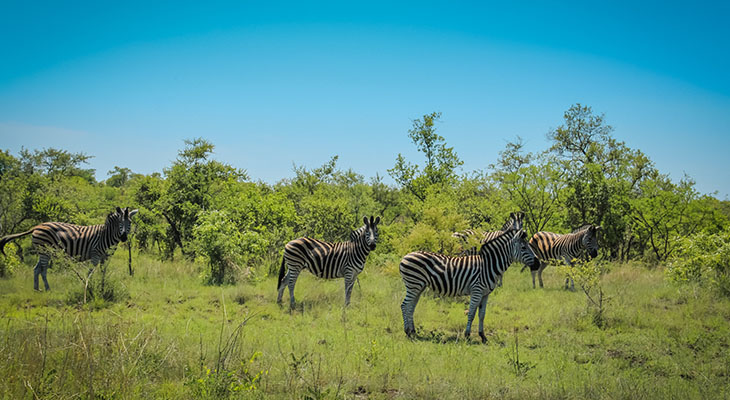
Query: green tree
x=534 y=184
x=601 y=175
x=119 y=177
x=191 y=183
x=441 y=161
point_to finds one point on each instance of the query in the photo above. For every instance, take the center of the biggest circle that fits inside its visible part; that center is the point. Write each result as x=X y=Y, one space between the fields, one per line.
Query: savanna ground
x=173 y=337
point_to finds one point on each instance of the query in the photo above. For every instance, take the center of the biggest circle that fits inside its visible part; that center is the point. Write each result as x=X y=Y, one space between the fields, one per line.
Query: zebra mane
x=498 y=236
x=582 y=228
x=357 y=233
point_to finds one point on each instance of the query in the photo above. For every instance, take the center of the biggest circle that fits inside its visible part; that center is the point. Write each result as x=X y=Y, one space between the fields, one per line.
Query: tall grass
x=174 y=337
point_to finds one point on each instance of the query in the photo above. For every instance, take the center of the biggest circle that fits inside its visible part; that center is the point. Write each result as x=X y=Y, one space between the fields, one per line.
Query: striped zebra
x=79 y=241
x=328 y=260
x=456 y=276
x=554 y=246
x=515 y=222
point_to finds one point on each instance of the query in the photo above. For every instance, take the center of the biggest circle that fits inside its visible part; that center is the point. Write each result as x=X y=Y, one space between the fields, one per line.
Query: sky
x=277 y=84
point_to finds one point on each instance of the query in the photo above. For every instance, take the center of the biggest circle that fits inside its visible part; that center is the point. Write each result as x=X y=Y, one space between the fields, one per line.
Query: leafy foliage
x=702 y=258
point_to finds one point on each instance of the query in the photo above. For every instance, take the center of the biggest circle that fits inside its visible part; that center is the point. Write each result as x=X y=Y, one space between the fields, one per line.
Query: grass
x=176 y=338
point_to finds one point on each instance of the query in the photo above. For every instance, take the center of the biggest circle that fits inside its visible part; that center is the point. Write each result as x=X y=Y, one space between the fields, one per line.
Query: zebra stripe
x=469 y=275
x=514 y=222
x=328 y=260
x=566 y=248
x=79 y=241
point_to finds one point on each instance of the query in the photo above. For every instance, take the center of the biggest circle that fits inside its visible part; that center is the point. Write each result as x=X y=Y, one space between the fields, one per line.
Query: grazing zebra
x=554 y=246
x=515 y=222
x=328 y=260
x=79 y=241
x=469 y=275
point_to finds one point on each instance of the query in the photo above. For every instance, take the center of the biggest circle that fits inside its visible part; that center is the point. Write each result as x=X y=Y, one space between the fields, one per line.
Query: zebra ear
x=377 y=221
x=119 y=210
x=365 y=220
x=132 y=213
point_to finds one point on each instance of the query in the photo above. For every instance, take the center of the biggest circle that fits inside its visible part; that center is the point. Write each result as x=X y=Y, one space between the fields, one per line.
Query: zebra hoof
x=484 y=337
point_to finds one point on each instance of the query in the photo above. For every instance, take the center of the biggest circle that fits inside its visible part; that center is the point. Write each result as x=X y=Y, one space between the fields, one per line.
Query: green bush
x=218 y=244
x=10 y=262
x=702 y=258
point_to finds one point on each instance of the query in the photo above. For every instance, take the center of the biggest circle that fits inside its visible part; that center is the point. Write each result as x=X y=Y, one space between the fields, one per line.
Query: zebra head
x=122 y=218
x=522 y=251
x=590 y=240
x=369 y=232
x=515 y=221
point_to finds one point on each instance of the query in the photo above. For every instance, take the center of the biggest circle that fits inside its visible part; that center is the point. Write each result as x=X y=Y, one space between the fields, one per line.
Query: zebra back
x=554 y=246
x=458 y=275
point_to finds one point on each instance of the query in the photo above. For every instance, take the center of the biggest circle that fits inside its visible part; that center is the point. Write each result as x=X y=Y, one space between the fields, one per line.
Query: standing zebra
x=554 y=246
x=515 y=222
x=328 y=260
x=79 y=241
x=456 y=276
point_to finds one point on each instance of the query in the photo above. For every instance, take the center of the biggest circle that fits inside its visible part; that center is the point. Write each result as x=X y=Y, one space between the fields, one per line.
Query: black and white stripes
x=566 y=248
x=469 y=275
x=78 y=241
x=328 y=260
x=514 y=222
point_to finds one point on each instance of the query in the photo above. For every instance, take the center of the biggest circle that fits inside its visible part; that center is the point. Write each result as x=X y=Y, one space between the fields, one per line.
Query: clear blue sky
x=272 y=83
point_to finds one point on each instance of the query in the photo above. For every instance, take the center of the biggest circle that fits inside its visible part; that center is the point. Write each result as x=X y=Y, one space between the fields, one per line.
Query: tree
x=56 y=164
x=534 y=183
x=119 y=176
x=192 y=181
x=441 y=161
x=665 y=211
x=601 y=176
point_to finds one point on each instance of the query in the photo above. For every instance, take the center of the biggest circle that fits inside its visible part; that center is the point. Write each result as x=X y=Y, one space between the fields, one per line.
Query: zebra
x=82 y=242
x=515 y=222
x=328 y=260
x=469 y=275
x=567 y=247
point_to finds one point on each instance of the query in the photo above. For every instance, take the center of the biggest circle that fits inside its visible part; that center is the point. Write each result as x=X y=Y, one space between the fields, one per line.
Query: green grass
x=176 y=338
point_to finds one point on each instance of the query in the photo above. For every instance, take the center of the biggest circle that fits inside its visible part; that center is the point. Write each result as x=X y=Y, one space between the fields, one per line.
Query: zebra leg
x=482 y=312
x=40 y=269
x=292 y=278
x=349 y=284
x=533 y=277
x=476 y=299
x=408 y=307
x=282 y=287
x=543 y=265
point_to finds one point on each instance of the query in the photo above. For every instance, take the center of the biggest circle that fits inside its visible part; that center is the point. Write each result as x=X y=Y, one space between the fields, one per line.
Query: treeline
x=203 y=209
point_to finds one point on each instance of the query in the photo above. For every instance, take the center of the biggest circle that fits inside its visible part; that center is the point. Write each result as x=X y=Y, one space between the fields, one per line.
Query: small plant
x=519 y=368
x=587 y=274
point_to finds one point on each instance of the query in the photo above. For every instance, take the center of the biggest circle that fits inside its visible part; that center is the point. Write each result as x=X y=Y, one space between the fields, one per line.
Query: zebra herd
x=475 y=273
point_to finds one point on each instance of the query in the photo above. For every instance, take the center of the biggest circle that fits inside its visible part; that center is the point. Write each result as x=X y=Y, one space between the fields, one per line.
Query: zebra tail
x=8 y=238
x=281 y=273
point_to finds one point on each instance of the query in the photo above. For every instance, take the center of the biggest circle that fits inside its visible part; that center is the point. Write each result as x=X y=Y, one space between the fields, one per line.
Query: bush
x=218 y=244
x=704 y=259
x=10 y=262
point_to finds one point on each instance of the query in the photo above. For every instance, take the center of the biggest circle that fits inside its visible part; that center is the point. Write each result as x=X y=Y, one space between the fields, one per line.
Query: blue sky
x=289 y=83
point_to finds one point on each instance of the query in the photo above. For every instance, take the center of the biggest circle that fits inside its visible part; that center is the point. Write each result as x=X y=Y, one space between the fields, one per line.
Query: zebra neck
x=360 y=250
x=496 y=261
x=109 y=235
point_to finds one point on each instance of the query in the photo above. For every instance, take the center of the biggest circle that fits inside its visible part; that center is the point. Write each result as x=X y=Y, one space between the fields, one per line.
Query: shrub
x=218 y=244
x=10 y=262
x=704 y=259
